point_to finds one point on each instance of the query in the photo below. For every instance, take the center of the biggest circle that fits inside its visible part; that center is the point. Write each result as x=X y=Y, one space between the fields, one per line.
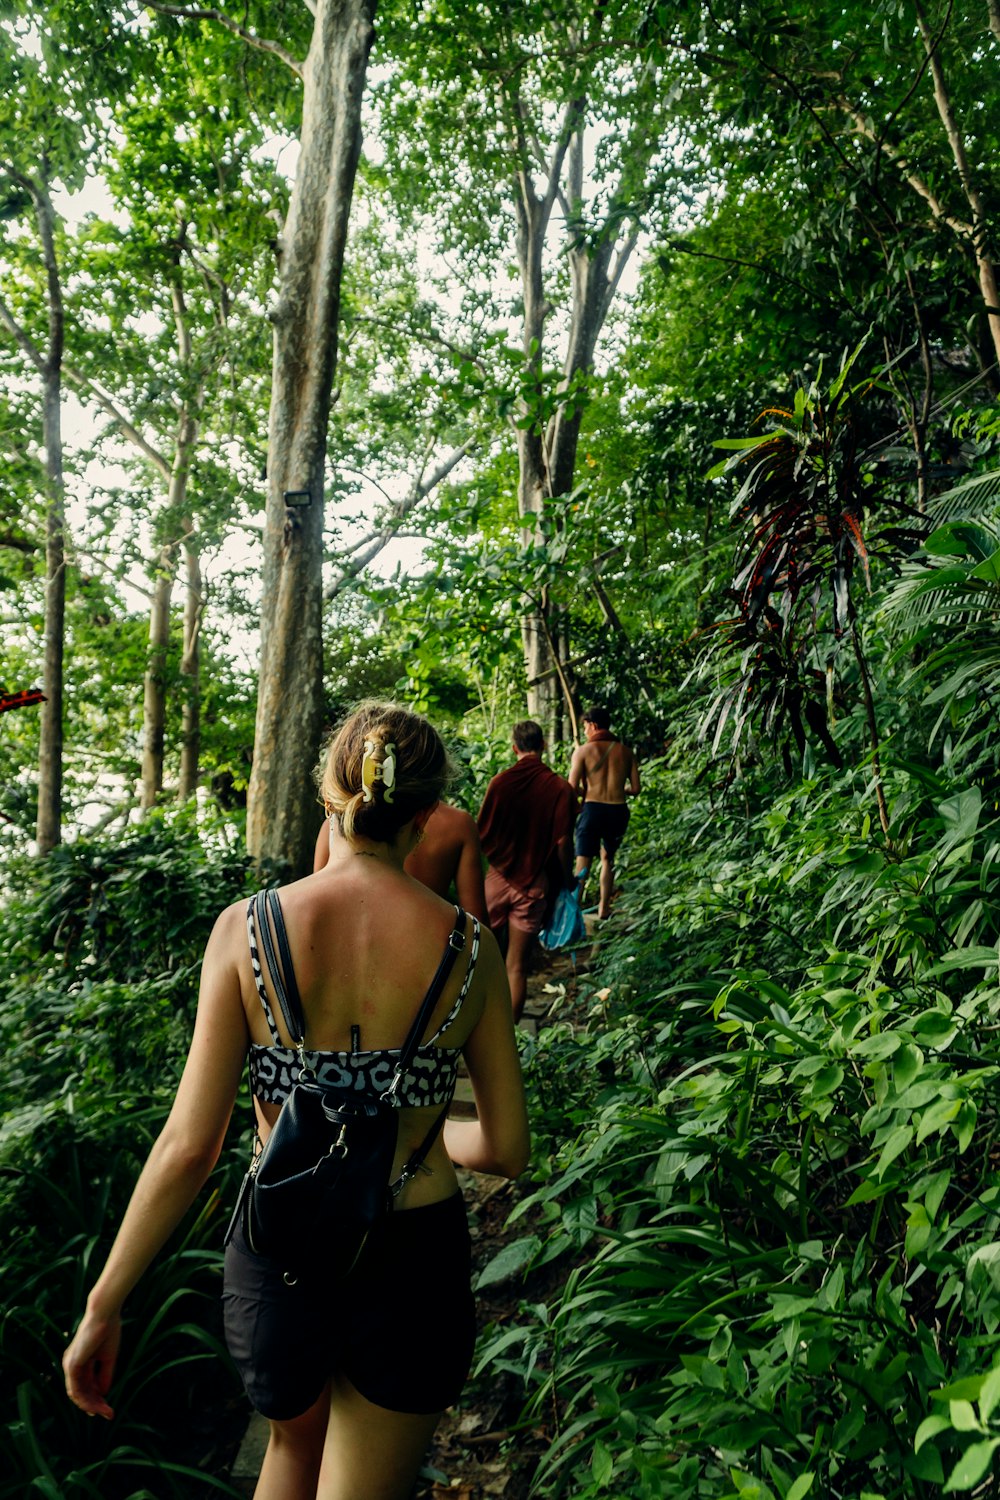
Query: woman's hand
x=89 y=1363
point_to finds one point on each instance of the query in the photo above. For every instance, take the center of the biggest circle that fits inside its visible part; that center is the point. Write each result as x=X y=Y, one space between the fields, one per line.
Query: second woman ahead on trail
x=352 y=1378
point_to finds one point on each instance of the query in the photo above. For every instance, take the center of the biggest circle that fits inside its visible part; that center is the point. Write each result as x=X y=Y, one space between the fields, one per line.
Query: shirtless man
x=603 y=771
x=449 y=851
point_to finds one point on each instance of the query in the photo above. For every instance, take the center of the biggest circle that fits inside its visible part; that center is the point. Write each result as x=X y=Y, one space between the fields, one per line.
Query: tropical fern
x=947 y=599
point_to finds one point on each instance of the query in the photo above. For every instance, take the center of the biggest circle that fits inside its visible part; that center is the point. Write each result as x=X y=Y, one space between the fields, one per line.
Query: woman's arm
x=181 y=1159
x=498 y=1141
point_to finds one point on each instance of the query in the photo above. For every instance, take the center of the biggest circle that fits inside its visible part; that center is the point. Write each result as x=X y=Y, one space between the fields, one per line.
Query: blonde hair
x=422 y=770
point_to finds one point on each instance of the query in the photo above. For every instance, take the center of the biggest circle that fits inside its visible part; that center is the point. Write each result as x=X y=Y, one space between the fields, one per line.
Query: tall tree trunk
x=547 y=455
x=191 y=672
x=985 y=267
x=154 y=686
x=154 y=690
x=280 y=811
x=994 y=12
x=48 y=830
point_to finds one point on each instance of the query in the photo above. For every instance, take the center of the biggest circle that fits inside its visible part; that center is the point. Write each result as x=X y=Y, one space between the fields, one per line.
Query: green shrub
x=100 y=986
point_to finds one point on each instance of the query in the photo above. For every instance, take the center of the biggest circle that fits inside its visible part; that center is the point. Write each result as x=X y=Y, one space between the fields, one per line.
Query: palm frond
x=970 y=500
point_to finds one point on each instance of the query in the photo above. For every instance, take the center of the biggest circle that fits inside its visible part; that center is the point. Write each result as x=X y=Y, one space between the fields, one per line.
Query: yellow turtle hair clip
x=373 y=770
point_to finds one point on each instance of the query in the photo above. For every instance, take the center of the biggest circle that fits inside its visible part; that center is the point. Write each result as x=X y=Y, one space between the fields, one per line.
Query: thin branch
x=937 y=208
x=425 y=336
x=615 y=273
x=733 y=260
x=121 y=421
x=196 y=13
x=932 y=46
x=373 y=544
x=570 y=128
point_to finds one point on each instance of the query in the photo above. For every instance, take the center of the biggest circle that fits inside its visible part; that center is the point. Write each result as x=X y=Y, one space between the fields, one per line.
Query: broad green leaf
x=972 y=1465
x=906 y=1064
x=989 y=1396
x=963 y=1416
x=513 y=1260
x=930 y=1427
x=602 y=1465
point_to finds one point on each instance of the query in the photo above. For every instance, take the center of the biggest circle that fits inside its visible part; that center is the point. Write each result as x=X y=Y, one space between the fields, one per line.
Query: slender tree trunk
x=48 y=831
x=281 y=802
x=154 y=689
x=190 y=672
x=534 y=484
x=547 y=457
x=154 y=686
x=994 y=12
x=873 y=735
x=988 y=283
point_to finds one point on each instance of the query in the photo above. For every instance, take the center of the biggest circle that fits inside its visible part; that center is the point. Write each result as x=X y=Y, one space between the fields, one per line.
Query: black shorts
x=600 y=823
x=401 y=1327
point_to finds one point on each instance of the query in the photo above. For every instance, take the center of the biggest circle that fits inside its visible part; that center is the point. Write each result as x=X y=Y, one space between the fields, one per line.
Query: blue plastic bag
x=566 y=928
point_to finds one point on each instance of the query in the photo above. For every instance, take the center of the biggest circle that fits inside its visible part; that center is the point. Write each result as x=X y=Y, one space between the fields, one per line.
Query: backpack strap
x=455 y=945
x=287 y=990
x=415 y=1160
x=456 y=942
x=268 y=909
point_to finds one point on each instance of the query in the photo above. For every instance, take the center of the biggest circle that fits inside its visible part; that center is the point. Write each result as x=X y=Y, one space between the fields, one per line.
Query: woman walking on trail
x=353 y=1376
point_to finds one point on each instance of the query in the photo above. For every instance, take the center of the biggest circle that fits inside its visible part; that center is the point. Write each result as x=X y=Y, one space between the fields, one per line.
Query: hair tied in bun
x=373 y=771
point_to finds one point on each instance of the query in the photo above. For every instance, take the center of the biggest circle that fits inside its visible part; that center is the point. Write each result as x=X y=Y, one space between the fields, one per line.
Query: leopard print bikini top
x=430 y=1078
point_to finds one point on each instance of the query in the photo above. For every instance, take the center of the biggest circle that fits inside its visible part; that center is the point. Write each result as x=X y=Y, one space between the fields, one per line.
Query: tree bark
x=154 y=689
x=985 y=267
x=994 y=12
x=154 y=685
x=281 y=799
x=191 y=672
x=547 y=454
x=48 y=830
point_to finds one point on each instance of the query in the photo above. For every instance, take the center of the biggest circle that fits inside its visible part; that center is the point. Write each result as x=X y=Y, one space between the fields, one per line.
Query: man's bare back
x=448 y=852
x=604 y=771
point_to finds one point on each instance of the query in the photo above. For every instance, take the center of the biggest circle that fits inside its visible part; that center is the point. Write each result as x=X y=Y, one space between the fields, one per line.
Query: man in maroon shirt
x=526 y=830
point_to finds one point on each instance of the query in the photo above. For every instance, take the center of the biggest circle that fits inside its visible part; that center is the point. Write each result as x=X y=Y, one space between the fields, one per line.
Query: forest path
x=474 y=1455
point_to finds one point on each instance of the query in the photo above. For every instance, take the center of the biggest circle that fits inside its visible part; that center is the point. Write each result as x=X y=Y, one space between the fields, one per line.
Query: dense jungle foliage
x=668 y=339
